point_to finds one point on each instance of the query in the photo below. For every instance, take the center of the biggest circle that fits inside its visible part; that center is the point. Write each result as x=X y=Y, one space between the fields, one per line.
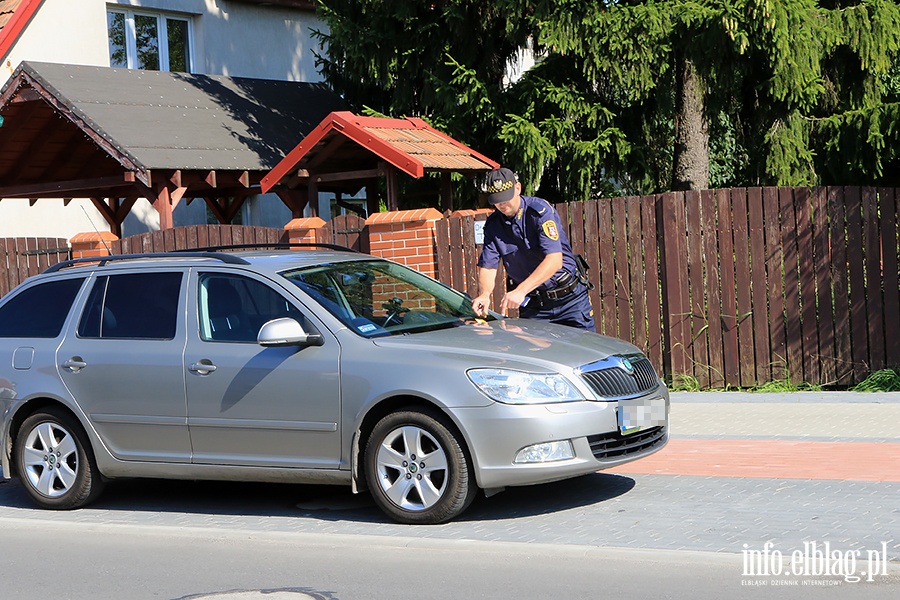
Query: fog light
x=546 y=452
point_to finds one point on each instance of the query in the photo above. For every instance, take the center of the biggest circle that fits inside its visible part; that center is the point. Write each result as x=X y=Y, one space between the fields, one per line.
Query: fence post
x=407 y=237
x=304 y=230
x=92 y=243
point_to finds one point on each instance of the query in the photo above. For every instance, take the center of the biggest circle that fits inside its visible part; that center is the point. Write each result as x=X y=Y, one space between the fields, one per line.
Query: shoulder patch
x=550 y=229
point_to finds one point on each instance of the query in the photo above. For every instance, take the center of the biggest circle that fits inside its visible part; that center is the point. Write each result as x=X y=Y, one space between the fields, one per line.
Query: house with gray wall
x=241 y=39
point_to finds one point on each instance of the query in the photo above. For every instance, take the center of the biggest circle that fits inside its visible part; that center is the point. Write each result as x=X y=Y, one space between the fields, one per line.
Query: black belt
x=552 y=295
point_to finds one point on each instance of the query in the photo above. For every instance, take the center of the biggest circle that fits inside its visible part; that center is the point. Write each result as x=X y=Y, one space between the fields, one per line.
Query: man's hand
x=481 y=304
x=512 y=299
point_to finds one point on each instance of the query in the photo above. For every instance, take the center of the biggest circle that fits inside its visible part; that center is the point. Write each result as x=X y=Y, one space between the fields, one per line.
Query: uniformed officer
x=543 y=278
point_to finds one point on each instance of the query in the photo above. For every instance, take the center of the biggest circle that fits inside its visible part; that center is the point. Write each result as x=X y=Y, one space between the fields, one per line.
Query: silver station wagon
x=314 y=366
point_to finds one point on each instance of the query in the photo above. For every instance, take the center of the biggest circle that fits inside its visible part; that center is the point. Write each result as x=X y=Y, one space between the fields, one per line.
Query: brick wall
x=406 y=237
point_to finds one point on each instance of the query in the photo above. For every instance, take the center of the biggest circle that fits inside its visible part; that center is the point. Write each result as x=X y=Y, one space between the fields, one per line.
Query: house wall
x=230 y=38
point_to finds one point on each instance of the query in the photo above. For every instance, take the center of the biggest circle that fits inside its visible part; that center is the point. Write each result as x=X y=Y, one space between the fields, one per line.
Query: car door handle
x=74 y=364
x=203 y=367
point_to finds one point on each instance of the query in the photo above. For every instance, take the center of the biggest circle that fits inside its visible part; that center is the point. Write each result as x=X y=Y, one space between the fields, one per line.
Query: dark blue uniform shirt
x=523 y=241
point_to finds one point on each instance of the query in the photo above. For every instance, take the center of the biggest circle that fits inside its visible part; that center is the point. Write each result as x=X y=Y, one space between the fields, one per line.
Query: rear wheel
x=54 y=461
x=417 y=469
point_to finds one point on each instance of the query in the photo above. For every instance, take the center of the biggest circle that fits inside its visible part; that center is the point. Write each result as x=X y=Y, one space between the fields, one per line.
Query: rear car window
x=39 y=311
x=132 y=306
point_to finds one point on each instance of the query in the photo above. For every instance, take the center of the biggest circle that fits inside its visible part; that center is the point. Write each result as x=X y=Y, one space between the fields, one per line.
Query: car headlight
x=518 y=387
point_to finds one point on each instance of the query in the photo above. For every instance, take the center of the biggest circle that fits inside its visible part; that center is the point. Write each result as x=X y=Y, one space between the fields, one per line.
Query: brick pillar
x=406 y=237
x=304 y=230
x=92 y=243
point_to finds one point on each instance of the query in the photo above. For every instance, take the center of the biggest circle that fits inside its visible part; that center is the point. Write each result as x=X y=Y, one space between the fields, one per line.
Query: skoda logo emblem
x=627 y=364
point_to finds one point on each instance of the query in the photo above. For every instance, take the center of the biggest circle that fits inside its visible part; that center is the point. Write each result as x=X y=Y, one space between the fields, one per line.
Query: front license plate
x=642 y=413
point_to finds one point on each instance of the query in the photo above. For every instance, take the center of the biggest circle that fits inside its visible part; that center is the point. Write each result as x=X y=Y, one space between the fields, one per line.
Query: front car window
x=39 y=311
x=232 y=308
x=377 y=298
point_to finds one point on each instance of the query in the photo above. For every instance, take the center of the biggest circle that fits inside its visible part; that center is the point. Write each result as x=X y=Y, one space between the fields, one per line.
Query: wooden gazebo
x=346 y=152
x=117 y=135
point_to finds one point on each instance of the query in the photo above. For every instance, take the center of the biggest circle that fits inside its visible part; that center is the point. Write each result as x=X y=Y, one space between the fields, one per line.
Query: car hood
x=514 y=343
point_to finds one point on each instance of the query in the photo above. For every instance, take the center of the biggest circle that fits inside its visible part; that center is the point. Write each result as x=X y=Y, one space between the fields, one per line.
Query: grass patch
x=885 y=380
x=786 y=386
x=684 y=383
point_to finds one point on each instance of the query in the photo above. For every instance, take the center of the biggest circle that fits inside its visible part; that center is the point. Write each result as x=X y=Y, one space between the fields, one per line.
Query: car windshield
x=377 y=298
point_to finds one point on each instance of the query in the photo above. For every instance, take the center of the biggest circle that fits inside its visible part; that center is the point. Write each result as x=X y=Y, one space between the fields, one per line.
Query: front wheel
x=417 y=469
x=54 y=461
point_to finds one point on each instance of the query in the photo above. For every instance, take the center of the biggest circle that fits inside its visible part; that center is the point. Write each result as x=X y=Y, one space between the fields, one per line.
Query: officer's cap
x=499 y=185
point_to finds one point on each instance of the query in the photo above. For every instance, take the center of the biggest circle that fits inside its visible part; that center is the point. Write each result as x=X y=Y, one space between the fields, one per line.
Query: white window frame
x=161 y=33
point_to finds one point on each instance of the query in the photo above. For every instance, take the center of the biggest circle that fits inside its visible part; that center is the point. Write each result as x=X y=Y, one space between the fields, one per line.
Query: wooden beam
x=211 y=179
x=25 y=95
x=233 y=206
x=114 y=211
x=393 y=189
x=348 y=175
x=225 y=209
x=312 y=197
x=163 y=205
x=106 y=211
x=295 y=200
x=216 y=210
x=61 y=189
x=372 y=203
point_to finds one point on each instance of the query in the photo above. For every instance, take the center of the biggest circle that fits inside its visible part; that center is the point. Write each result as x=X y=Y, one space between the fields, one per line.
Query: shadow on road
x=328 y=503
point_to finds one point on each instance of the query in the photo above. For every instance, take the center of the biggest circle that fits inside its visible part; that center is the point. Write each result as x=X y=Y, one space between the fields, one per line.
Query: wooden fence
x=197 y=236
x=736 y=287
x=733 y=287
x=20 y=258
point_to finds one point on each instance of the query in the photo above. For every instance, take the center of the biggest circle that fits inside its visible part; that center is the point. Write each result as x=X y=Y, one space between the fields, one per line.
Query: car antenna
x=105 y=245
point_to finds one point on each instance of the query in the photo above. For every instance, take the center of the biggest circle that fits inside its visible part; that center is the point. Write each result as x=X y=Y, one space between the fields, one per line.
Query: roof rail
x=274 y=245
x=102 y=260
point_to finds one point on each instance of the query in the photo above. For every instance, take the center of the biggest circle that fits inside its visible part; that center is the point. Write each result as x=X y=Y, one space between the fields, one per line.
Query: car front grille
x=611 y=378
x=615 y=445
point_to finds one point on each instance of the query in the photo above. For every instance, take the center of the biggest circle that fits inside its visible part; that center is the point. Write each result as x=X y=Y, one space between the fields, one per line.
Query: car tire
x=54 y=461
x=417 y=469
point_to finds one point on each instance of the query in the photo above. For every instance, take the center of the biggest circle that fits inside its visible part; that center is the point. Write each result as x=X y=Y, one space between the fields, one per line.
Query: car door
x=123 y=364
x=250 y=405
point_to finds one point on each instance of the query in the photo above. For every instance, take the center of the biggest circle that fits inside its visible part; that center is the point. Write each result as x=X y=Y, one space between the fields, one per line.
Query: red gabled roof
x=410 y=145
x=14 y=16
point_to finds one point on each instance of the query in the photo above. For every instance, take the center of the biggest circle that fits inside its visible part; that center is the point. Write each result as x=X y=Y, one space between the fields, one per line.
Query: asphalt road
x=694 y=521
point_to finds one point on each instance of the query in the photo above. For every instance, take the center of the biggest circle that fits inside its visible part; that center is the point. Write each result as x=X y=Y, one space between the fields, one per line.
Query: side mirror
x=286 y=332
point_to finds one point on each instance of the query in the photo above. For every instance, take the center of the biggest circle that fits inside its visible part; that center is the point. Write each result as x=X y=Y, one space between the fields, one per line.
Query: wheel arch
x=28 y=408
x=386 y=407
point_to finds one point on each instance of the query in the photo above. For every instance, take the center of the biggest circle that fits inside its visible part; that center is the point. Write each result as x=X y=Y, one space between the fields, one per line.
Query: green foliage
x=684 y=383
x=796 y=92
x=885 y=380
x=786 y=386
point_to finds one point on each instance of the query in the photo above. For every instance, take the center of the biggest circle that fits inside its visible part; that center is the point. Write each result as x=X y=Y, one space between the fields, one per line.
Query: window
x=233 y=308
x=154 y=42
x=376 y=298
x=40 y=311
x=132 y=306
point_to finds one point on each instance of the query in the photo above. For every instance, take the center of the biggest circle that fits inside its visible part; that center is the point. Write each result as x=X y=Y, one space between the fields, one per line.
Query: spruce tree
x=636 y=97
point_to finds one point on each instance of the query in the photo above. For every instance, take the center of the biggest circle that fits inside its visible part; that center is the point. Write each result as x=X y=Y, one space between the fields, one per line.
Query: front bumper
x=496 y=433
